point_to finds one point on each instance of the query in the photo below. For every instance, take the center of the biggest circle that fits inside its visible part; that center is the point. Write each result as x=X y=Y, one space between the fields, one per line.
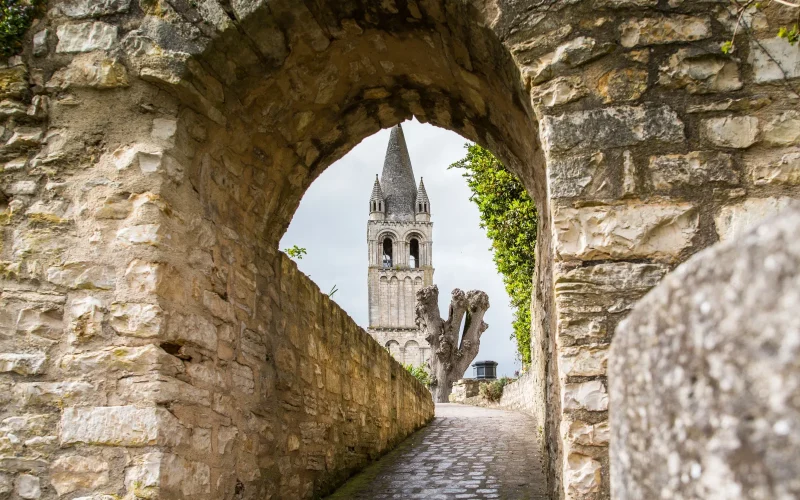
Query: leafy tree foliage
x=296 y=252
x=790 y=32
x=420 y=373
x=509 y=217
x=16 y=17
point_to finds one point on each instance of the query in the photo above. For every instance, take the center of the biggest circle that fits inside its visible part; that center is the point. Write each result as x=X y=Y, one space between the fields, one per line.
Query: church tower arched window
x=413 y=257
x=387 y=252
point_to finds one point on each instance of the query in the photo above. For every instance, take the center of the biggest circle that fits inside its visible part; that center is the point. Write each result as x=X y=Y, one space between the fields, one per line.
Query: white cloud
x=332 y=218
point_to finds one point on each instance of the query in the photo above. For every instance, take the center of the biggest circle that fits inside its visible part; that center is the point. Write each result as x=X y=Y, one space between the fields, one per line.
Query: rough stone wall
x=154 y=152
x=657 y=146
x=148 y=349
x=520 y=395
x=464 y=389
x=704 y=375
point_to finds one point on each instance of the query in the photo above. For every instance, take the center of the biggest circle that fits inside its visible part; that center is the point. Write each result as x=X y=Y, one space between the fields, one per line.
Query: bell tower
x=400 y=247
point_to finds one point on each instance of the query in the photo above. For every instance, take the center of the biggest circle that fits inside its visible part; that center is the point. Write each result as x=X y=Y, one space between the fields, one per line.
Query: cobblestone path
x=466 y=452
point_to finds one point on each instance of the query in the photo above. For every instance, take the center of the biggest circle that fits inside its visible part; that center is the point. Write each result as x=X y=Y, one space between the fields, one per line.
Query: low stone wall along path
x=466 y=452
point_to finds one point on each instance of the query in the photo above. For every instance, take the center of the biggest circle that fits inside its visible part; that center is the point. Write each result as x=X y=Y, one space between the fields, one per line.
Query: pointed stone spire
x=377 y=194
x=377 y=202
x=423 y=204
x=397 y=178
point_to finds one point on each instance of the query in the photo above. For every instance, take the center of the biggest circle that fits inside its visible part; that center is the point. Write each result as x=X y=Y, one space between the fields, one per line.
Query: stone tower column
x=392 y=289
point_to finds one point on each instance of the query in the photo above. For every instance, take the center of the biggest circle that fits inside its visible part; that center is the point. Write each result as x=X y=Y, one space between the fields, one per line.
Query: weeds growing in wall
x=493 y=391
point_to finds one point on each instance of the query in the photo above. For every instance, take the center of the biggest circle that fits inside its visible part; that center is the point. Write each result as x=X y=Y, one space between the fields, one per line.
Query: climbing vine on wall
x=509 y=217
x=16 y=17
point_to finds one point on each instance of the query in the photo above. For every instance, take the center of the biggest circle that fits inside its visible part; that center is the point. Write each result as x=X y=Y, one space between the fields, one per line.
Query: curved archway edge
x=156 y=151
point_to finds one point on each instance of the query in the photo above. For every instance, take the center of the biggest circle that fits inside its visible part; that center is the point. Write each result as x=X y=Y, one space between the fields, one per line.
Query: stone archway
x=166 y=145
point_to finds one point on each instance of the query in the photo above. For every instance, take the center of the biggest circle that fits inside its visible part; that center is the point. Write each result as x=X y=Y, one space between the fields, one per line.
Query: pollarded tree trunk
x=451 y=351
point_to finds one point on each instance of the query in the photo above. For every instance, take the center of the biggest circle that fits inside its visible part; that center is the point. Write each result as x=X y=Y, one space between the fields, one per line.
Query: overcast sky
x=331 y=224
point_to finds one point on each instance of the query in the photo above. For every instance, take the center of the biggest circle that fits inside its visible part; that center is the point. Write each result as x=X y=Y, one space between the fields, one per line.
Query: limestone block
x=188 y=477
x=9 y=108
x=734 y=220
x=586 y=293
x=16 y=165
x=147 y=157
x=581 y=327
x=774 y=59
x=120 y=426
x=242 y=378
x=732 y=131
x=92 y=8
x=784 y=171
x=704 y=376
x=28 y=486
x=75 y=472
x=13 y=82
x=583 y=361
x=92 y=70
x=22 y=188
x=697 y=168
x=57 y=394
x=225 y=439
x=591 y=396
x=25 y=137
x=627 y=84
x=743 y=104
x=586 y=434
x=558 y=91
x=143 y=277
x=6 y=484
x=161 y=389
x=52 y=212
x=137 y=320
x=588 y=131
x=40 y=43
x=141 y=234
x=194 y=329
x=783 y=130
x=164 y=130
x=130 y=359
x=581 y=476
x=570 y=177
x=217 y=306
x=23 y=363
x=660 y=30
x=86 y=37
x=700 y=72
x=85 y=318
x=46 y=321
x=82 y=275
x=657 y=231
x=571 y=54
x=143 y=477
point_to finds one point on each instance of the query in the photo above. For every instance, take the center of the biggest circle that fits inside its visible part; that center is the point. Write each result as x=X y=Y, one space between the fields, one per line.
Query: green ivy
x=509 y=217
x=16 y=17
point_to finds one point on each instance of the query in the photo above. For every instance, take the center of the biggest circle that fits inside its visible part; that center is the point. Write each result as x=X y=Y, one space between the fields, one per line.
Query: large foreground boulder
x=705 y=376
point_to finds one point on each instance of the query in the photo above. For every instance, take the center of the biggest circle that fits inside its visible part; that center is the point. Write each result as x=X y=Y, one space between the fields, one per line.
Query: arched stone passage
x=156 y=151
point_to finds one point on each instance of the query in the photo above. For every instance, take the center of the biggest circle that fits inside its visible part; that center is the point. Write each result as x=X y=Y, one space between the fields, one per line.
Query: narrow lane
x=466 y=452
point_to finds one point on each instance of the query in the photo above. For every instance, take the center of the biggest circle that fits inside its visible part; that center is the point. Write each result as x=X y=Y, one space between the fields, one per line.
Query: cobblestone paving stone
x=466 y=452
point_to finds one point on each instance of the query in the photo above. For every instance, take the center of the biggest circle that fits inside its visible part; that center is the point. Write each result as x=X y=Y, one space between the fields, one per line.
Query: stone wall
x=520 y=395
x=704 y=375
x=464 y=389
x=154 y=152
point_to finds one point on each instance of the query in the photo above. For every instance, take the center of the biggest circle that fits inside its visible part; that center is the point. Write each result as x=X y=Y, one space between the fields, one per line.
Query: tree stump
x=452 y=349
